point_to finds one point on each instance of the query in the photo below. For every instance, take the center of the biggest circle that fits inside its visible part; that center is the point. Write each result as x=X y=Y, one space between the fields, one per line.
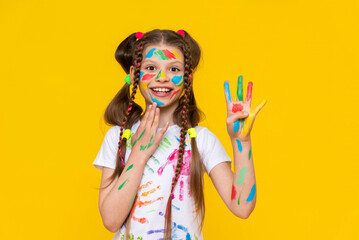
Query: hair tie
x=128 y=79
x=181 y=32
x=126 y=134
x=139 y=35
x=192 y=132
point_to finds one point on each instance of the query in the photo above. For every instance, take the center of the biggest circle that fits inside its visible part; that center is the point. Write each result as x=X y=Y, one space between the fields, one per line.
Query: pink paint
x=174 y=93
x=181 y=191
x=234 y=193
x=147 y=77
x=186 y=166
x=237 y=107
x=249 y=92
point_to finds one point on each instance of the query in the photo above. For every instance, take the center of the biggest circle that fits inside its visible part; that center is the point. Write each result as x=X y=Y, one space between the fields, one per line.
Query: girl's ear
x=132 y=74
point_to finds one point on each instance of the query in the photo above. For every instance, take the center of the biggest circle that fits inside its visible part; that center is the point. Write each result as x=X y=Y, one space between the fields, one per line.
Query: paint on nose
x=163 y=74
x=159 y=74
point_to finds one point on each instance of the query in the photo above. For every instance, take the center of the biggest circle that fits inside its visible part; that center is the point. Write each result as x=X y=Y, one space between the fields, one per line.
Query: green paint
x=195 y=237
x=249 y=154
x=128 y=142
x=159 y=74
x=151 y=211
x=242 y=121
x=155 y=159
x=149 y=168
x=139 y=238
x=123 y=237
x=161 y=55
x=239 y=198
x=143 y=147
x=167 y=141
x=180 y=84
x=163 y=145
x=119 y=188
x=240 y=89
x=131 y=237
x=138 y=138
x=242 y=175
x=133 y=199
x=129 y=167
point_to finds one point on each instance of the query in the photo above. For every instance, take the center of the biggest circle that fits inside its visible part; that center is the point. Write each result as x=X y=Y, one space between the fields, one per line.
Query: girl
x=152 y=181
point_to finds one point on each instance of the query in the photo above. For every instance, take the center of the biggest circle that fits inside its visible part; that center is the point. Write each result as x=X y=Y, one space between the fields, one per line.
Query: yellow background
x=58 y=73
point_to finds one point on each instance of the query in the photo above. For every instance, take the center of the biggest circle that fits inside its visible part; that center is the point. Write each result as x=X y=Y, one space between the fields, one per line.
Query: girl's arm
x=115 y=201
x=238 y=190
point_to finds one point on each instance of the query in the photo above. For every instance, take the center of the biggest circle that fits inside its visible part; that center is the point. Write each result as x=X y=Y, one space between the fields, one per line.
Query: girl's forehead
x=163 y=51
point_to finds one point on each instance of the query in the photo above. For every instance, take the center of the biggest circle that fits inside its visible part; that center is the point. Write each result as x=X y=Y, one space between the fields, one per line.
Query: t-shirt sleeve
x=106 y=157
x=211 y=149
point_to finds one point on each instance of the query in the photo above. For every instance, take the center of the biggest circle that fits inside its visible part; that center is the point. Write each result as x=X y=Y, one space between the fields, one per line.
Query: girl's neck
x=166 y=114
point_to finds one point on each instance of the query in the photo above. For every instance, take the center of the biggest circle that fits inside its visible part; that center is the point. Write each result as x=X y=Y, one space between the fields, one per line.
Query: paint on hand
x=119 y=188
x=138 y=138
x=242 y=122
x=157 y=101
x=251 y=194
x=150 y=53
x=234 y=192
x=239 y=144
x=240 y=89
x=249 y=92
x=250 y=153
x=242 y=174
x=228 y=93
x=250 y=118
x=143 y=147
x=176 y=79
x=237 y=107
x=236 y=126
x=129 y=167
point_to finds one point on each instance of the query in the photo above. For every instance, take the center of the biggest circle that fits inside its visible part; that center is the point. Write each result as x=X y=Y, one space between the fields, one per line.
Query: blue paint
x=161 y=213
x=156 y=231
x=141 y=74
x=239 y=144
x=251 y=194
x=150 y=53
x=157 y=101
x=228 y=93
x=179 y=140
x=177 y=208
x=176 y=79
x=236 y=126
x=182 y=228
x=188 y=236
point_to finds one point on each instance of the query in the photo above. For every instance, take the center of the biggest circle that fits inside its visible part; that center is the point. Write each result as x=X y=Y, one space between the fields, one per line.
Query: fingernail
x=157 y=109
x=150 y=106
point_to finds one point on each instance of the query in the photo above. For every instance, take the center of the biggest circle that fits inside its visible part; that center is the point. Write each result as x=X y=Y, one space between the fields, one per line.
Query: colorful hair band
x=128 y=79
x=126 y=134
x=181 y=32
x=139 y=35
x=192 y=132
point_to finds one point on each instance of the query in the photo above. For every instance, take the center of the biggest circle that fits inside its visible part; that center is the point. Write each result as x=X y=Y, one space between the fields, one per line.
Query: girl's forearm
x=243 y=196
x=118 y=202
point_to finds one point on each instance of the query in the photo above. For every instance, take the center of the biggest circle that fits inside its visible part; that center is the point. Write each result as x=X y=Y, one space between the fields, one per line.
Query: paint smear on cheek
x=147 y=77
x=176 y=79
x=237 y=107
x=234 y=192
x=174 y=93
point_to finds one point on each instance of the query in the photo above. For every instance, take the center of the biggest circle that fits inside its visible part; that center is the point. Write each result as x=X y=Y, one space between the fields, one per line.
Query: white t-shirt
x=148 y=218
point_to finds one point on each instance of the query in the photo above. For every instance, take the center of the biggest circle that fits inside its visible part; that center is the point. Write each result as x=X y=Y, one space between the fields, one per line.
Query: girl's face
x=161 y=74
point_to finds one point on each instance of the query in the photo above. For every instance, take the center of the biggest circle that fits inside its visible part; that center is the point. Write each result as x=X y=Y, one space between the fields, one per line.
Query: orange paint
x=145 y=185
x=150 y=191
x=145 y=203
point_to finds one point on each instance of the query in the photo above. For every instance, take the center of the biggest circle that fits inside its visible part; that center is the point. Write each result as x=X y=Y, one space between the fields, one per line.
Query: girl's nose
x=162 y=75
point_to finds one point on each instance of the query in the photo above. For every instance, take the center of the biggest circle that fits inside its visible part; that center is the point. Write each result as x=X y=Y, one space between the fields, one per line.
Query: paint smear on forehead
x=163 y=54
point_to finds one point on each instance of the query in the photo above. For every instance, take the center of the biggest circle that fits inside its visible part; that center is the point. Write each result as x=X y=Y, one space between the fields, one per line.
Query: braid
x=137 y=65
x=187 y=87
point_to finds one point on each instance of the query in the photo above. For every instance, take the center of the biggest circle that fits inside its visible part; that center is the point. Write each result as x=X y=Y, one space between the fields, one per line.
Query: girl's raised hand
x=146 y=139
x=240 y=116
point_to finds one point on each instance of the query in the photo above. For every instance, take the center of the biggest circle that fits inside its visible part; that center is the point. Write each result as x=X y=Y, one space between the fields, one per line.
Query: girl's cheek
x=178 y=80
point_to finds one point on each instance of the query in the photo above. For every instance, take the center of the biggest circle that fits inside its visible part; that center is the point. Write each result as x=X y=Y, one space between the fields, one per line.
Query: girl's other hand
x=240 y=116
x=146 y=139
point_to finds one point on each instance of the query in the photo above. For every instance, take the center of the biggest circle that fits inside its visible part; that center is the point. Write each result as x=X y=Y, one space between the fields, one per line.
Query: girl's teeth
x=161 y=90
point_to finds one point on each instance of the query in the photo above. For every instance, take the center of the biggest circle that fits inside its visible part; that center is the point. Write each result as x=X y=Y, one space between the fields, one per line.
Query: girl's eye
x=150 y=68
x=174 y=69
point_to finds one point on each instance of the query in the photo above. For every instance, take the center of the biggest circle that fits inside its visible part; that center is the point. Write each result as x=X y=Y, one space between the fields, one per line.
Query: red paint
x=249 y=92
x=168 y=54
x=147 y=76
x=234 y=193
x=237 y=107
x=174 y=93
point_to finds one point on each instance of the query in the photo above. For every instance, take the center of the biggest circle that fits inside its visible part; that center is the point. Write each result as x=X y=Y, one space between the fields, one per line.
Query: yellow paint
x=249 y=120
x=163 y=74
x=176 y=54
x=143 y=85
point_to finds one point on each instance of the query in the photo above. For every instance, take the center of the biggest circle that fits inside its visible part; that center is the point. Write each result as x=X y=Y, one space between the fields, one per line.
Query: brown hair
x=186 y=115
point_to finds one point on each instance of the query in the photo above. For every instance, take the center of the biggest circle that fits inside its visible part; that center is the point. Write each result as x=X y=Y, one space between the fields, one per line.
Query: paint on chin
x=155 y=100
